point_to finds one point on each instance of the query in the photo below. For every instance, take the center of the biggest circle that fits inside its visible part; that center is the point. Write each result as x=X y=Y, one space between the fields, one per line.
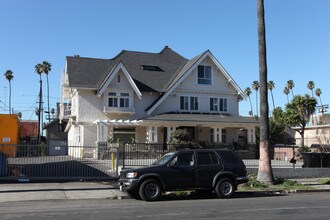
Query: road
x=243 y=206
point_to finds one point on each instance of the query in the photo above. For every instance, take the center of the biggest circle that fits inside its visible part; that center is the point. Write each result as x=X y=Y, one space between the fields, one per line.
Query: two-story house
x=143 y=97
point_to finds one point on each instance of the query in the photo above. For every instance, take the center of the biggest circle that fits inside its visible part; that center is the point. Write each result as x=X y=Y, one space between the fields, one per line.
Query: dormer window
x=118 y=100
x=204 y=75
x=151 y=68
x=118 y=78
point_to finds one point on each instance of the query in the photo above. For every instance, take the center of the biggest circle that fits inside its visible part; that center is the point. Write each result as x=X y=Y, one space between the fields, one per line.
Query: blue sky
x=298 y=40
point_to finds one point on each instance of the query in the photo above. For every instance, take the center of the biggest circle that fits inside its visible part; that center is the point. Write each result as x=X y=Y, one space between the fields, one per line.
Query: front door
x=182 y=173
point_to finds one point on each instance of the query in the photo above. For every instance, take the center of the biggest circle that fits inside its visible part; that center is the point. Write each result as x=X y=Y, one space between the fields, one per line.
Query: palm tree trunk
x=251 y=107
x=265 y=173
x=48 y=99
x=257 y=104
x=9 y=97
x=271 y=92
x=39 y=109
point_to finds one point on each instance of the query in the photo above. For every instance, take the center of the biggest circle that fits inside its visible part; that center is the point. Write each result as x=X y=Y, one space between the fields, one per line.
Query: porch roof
x=116 y=122
x=202 y=119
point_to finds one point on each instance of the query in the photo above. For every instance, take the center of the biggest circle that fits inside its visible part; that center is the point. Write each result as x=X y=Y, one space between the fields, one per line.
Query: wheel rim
x=226 y=188
x=151 y=190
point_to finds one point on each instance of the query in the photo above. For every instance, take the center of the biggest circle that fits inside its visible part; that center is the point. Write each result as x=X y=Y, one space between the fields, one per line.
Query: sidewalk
x=90 y=190
x=53 y=191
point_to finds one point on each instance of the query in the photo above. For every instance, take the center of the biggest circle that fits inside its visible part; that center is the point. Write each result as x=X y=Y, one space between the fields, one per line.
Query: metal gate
x=57 y=163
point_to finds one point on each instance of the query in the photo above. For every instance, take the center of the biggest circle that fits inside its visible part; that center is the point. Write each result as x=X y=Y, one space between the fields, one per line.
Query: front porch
x=204 y=129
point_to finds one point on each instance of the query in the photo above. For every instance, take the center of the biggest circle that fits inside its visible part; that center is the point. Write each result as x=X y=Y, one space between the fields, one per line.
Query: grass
x=324 y=181
x=280 y=184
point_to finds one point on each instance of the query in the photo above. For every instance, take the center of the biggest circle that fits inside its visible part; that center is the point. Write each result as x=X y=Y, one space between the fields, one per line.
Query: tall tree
x=290 y=85
x=286 y=91
x=318 y=93
x=271 y=87
x=255 y=87
x=248 y=92
x=39 y=70
x=298 y=112
x=9 y=76
x=265 y=172
x=311 y=86
x=47 y=67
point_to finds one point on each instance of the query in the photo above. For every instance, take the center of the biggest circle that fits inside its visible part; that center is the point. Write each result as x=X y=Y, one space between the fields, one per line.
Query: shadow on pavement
x=237 y=195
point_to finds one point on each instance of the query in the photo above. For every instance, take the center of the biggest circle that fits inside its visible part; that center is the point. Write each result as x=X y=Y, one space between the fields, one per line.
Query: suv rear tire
x=225 y=188
x=150 y=190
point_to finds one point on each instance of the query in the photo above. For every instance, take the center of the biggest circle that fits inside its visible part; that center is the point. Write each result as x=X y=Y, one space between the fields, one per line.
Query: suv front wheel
x=225 y=188
x=150 y=190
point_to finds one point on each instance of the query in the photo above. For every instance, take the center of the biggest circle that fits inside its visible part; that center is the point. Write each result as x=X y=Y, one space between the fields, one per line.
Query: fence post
x=124 y=156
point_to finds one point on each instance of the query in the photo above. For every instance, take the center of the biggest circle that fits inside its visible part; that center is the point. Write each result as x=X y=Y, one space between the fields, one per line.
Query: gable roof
x=187 y=69
x=112 y=74
x=90 y=73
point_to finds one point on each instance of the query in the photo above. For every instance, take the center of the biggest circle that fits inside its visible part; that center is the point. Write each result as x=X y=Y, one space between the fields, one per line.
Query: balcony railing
x=119 y=110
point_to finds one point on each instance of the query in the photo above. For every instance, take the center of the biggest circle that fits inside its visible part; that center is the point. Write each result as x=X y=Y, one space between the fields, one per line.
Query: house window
x=184 y=103
x=223 y=135
x=152 y=68
x=118 y=78
x=204 y=75
x=116 y=100
x=218 y=104
x=194 y=103
x=188 y=103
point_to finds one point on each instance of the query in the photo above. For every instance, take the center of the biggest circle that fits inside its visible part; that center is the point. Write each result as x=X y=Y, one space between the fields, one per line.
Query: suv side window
x=184 y=159
x=205 y=158
x=228 y=157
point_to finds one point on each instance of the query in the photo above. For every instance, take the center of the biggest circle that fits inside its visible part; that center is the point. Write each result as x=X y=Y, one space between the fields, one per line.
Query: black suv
x=220 y=170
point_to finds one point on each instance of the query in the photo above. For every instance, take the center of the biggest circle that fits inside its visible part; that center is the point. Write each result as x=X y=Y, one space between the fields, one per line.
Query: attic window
x=151 y=68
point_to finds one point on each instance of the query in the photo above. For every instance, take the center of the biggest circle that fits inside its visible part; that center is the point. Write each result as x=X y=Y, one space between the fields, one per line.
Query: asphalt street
x=243 y=206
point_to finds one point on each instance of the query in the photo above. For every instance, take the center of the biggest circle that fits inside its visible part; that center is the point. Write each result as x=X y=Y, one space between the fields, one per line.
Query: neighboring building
x=56 y=138
x=143 y=97
x=28 y=132
x=9 y=133
x=316 y=133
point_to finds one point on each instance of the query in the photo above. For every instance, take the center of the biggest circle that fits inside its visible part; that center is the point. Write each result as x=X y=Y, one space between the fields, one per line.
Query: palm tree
x=248 y=92
x=318 y=93
x=47 y=67
x=290 y=85
x=286 y=91
x=39 y=69
x=265 y=173
x=255 y=87
x=311 y=86
x=271 y=86
x=9 y=76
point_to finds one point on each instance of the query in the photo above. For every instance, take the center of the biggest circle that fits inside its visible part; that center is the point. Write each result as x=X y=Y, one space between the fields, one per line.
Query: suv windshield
x=164 y=159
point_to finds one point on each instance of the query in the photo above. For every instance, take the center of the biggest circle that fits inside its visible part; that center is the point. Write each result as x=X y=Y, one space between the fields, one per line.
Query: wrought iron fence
x=57 y=163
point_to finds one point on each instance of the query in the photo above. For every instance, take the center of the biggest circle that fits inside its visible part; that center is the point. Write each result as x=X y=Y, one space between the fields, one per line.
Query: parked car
x=220 y=170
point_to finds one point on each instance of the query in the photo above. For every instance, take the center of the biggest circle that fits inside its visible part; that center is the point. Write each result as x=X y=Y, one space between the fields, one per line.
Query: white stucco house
x=144 y=96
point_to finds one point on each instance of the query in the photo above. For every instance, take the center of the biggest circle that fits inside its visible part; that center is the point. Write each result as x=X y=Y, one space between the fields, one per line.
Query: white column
x=251 y=135
x=217 y=135
x=152 y=135
x=253 y=131
x=169 y=132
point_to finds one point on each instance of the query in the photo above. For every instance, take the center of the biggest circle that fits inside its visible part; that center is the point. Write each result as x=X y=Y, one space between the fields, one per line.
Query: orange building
x=9 y=133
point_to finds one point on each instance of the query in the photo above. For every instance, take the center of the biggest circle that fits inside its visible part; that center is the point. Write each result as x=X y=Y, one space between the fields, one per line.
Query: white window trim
x=189 y=103
x=211 y=76
x=219 y=107
x=118 y=97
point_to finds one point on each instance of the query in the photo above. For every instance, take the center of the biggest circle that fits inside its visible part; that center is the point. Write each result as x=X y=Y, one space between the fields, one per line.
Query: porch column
x=102 y=132
x=152 y=135
x=169 y=132
x=251 y=136
x=217 y=135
